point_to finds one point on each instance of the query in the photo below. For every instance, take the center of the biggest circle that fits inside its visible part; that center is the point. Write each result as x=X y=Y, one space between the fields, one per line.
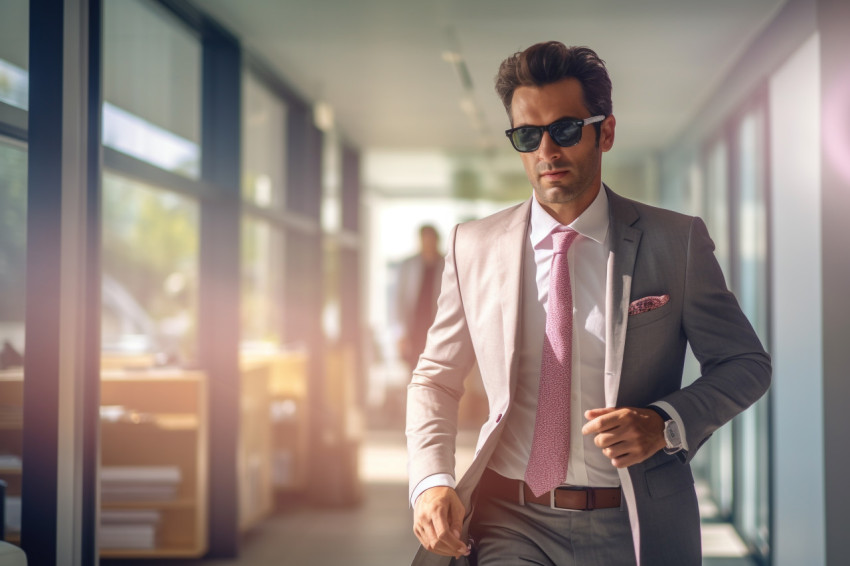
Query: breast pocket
x=638 y=320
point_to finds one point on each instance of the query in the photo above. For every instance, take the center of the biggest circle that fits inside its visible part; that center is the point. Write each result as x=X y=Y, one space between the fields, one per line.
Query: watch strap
x=664 y=416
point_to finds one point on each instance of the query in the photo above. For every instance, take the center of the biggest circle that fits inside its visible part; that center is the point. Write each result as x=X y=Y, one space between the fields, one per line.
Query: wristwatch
x=672 y=436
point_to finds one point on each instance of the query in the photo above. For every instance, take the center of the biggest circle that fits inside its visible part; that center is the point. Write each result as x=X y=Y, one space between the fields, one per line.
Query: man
x=416 y=294
x=578 y=305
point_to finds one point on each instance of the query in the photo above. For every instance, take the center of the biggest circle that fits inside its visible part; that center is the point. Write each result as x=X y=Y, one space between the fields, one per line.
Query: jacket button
x=498 y=417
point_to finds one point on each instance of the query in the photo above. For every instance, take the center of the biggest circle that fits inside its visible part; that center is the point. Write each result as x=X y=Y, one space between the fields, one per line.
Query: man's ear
x=606 y=135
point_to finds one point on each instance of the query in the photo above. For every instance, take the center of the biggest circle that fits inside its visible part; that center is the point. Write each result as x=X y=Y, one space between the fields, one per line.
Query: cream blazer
x=652 y=252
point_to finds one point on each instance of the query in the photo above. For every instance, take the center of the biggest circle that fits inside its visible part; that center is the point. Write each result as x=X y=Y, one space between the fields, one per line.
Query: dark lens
x=565 y=132
x=526 y=139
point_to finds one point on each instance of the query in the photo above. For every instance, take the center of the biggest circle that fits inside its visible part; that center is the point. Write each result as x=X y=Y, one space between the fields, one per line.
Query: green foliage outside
x=151 y=246
x=13 y=233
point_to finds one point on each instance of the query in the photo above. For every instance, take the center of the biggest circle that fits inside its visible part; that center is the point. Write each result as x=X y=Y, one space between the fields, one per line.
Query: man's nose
x=548 y=148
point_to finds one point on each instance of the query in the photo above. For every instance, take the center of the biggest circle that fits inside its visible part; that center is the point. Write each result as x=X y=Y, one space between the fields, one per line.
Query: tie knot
x=561 y=241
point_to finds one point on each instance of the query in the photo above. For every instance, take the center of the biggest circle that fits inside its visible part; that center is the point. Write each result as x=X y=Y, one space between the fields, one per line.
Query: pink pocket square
x=647 y=304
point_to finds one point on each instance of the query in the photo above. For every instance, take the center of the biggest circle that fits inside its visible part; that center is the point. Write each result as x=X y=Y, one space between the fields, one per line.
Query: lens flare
x=836 y=127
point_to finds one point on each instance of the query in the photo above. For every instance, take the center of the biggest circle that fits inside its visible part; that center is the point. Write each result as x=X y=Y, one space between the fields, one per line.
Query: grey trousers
x=508 y=534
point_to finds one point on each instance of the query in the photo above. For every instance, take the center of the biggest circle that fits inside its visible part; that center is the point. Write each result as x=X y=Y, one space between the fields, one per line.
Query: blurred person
x=416 y=294
x=578 y=306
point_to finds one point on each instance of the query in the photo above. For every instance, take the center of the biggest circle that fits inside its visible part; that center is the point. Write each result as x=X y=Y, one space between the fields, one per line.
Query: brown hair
x=549 y=62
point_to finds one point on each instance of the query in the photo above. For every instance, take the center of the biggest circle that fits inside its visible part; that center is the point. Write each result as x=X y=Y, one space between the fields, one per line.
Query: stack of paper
x=128 y=528
x=10 y=462
x=139 y=483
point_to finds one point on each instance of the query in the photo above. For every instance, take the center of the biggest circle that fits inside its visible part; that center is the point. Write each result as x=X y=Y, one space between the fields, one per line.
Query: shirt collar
x=592 y=223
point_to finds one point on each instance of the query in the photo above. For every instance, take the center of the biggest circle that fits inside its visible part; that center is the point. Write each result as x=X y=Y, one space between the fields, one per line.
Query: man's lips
x=554 y=174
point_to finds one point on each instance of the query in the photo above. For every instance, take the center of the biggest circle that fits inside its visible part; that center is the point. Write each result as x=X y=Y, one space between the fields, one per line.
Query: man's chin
x=557 y=194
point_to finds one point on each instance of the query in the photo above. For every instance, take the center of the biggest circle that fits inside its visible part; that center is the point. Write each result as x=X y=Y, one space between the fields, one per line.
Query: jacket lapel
x=624 y=241
x=511 y=245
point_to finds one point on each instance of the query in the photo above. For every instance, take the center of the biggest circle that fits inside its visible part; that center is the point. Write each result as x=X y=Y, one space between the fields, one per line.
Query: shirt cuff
x=434 y=480
x=674 y=414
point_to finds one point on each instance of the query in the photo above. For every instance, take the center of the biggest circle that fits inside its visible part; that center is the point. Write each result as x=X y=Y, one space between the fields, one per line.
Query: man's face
x=558 y=174
x=429 y=241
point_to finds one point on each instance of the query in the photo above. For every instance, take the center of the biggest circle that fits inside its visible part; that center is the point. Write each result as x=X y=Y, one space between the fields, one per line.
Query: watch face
x=671 y=435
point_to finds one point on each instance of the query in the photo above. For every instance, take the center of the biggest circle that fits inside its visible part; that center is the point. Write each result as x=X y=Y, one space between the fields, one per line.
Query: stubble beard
x=567 y=192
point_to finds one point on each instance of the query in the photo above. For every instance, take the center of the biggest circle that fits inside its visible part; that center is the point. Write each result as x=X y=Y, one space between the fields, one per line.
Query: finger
x=456 y=513
x=450 y=547
x=456 y=524
x=604 y=440
x=602 y=423
x=624 y=460
x=424 y=532
x=618 y=454
x=448 y=536
x=591 y=414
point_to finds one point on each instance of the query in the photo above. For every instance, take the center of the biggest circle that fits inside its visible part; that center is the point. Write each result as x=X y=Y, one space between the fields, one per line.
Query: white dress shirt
x=587 y=260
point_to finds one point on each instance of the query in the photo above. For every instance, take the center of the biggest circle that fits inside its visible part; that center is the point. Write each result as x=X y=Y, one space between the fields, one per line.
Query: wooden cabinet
x=152 y=420
x=273 y=434
x=290 y=418
x=157 y=419
x=254 y=465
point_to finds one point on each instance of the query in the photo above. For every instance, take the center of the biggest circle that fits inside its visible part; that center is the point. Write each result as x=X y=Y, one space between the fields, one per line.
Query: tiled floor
x=378 y=532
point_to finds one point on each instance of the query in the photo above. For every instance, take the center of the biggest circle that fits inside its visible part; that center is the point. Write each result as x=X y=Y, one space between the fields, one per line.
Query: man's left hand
x=626 y=435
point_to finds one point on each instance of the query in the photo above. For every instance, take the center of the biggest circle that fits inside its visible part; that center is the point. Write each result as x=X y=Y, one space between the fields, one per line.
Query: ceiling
x=381 y=64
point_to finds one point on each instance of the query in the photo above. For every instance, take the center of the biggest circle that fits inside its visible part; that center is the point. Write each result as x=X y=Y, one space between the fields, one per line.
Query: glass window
x=262 y=282
x=717 y=209
x=151 y=87
x=263 y=145
x=14 y=53
x=13 y=245
x=150 y=271
x=752 y=223
x=13 y=266
x=263 y=185
x=752 y=503
x=14 y=92
x=721 y=445
x=331 y=225
x=696 y=189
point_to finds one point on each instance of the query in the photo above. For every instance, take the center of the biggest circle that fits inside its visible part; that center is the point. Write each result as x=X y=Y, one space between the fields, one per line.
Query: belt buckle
x=589 y=499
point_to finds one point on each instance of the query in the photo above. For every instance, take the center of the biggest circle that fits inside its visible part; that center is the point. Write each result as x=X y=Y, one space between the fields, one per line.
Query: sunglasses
x=565 y=132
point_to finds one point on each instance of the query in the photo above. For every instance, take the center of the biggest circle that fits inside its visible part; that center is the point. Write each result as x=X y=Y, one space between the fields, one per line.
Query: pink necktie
x=550 y=449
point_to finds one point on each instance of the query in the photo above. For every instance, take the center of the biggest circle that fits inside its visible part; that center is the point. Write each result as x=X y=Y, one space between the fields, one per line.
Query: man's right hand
x=438 y=520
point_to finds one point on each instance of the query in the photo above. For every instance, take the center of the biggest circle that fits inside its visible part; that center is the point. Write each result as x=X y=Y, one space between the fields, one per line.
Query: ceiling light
x=323 y=116
x=452 y=57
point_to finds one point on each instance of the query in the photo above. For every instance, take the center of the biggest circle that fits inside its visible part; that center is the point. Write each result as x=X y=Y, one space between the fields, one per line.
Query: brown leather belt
x=576 y=498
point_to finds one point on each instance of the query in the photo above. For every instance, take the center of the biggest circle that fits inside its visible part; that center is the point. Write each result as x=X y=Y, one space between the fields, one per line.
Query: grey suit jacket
x=652 y=252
